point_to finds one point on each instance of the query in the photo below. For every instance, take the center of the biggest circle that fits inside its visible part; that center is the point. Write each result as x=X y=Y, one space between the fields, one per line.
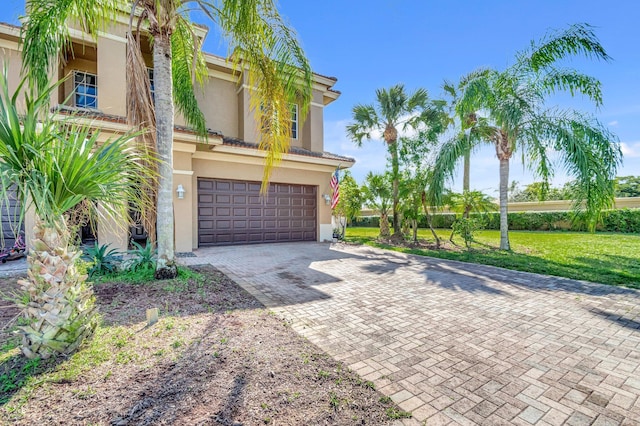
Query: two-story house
x=217 y=196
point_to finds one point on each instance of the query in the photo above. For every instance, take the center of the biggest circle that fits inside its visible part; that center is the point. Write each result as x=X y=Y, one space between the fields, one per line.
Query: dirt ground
x=216 y=357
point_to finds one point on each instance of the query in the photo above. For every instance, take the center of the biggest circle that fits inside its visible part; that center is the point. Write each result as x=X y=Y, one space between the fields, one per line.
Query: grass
x=606 y=258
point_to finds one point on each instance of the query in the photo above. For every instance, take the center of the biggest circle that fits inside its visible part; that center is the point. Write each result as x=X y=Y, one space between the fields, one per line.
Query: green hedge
x=623 y=220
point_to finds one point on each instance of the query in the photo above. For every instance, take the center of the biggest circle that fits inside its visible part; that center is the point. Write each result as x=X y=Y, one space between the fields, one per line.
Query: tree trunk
x=466 y=177
x=414 y=223
x=384 y=225
x=393 y=147
x=59 y=309
x=504 y=195
x=426 y=212
x=166 y=267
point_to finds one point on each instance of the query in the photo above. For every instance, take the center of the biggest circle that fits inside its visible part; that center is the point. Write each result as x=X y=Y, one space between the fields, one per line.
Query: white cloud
x=613 y=123
x=630 y=149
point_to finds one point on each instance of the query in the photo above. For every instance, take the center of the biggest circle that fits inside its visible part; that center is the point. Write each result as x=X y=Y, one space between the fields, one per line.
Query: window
x=85 y=89
x=294 y=121
x=151 y=83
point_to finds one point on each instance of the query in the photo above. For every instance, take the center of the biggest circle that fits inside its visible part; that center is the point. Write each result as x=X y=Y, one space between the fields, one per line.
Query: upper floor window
x=151 y=83
x=85 y=89
x=294 y=121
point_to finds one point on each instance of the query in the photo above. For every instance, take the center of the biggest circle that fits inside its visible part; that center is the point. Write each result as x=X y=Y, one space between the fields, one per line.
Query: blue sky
x=378 y=43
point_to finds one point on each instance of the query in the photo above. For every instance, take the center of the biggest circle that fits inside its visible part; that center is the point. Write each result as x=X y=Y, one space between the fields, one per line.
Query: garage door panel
x=234 y=212
x=222 y=185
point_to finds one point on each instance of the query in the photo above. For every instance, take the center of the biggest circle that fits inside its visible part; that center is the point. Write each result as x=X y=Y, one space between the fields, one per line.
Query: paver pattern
x=456 y=343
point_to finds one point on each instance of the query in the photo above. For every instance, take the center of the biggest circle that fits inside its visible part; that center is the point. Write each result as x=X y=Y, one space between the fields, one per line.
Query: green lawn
x=603 y=257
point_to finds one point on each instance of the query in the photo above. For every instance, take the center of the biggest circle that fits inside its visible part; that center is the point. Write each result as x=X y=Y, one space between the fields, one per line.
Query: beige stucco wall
x=111 y=71
x=219 y=104
x=11 y=57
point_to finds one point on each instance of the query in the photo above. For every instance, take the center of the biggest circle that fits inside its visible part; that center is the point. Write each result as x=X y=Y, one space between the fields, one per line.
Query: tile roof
x=227 y=140
x=99 y=115
x=292 y=150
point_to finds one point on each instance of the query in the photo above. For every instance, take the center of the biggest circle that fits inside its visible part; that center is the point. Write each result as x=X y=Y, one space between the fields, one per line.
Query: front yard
x=216 y=356
x=602 y=257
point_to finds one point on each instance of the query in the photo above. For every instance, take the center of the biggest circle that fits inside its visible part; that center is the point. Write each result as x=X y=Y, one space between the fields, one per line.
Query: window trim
x=84 y=83
x=294 y=123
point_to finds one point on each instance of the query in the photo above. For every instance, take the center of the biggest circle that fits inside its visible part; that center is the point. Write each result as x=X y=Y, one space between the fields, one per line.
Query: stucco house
x=216 y=196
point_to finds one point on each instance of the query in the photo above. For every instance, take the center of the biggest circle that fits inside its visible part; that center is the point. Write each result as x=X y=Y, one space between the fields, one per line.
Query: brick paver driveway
x=453 y=342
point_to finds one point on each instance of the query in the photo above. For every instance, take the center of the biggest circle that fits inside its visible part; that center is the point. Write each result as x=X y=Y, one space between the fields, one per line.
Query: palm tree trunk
x=466 y=177
x=384 y=225
x=504 y=195
x=396 y=183
x=60 y=311
x=467 y=170
x=166 y=267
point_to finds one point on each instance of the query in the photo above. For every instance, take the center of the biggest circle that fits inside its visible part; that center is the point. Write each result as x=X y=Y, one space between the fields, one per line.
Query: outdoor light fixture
x=327 y=199
x=180 y=190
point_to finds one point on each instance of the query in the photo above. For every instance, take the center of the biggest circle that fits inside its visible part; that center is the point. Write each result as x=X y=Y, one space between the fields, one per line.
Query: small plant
x=386 y=400
x=396 y=413
x=103 y=259
x=323 y=374
x=144 y=258
x=334 y=401
x=466 y=228
x=369 y=384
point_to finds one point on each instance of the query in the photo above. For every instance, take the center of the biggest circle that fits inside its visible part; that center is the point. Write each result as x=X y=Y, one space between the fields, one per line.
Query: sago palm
x=263 y=47
x=56 y=166
x=395 y=110
x=518 y=119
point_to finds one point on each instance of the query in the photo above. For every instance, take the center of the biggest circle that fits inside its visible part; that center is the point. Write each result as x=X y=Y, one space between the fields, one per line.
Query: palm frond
x=276 y=67
x=449 y=153
x=46 y=35
x=578 y=39
x=572 y=82
x=188 y=69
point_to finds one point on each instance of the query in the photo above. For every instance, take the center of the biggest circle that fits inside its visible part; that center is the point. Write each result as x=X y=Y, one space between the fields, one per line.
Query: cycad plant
x=56 y=166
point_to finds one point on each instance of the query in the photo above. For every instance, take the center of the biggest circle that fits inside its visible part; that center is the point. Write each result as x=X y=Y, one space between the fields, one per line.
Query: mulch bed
x=216 y=357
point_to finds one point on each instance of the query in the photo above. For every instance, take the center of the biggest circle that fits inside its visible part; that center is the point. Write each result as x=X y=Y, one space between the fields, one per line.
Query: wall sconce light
x=327 y=199
x=180 y=190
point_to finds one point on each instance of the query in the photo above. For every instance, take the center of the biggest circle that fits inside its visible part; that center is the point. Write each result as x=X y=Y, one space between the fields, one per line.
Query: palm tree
x=395 y=109
x=262 y=45
x=377 y=196
x=518 y=119
x=463 y=119
x=56 y=167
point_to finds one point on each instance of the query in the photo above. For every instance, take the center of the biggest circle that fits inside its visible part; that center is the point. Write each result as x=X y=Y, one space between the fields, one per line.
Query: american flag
x=335 y=185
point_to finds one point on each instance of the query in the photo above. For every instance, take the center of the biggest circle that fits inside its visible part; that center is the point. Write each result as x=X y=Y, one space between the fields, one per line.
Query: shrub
x=144 y=258
x=103 y=260
x=621 y=220
x=467 y=227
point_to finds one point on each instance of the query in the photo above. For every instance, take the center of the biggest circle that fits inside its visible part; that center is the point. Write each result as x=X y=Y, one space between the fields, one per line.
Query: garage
x=234 y=212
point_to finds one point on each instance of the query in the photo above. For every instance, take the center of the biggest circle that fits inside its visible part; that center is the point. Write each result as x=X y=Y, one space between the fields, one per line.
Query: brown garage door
x=233 y=212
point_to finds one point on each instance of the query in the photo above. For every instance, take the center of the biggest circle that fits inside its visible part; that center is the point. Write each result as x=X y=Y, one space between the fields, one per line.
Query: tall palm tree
x=56 y=167
x=464 y=120
x=519 y=119
x=263 y=46
x=377 y=195
x=395 y=109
